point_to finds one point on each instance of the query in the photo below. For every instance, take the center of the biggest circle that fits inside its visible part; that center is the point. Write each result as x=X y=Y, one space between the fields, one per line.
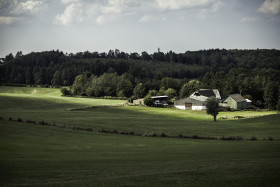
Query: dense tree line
x=252 y=73
x=262 y=86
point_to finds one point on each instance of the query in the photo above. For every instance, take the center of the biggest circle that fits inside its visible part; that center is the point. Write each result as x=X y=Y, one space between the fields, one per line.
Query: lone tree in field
x=212 y=107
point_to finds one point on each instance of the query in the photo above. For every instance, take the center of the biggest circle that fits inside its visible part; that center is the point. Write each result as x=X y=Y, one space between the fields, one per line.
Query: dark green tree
x=152 y=92
x=271 y=95
x=212 y=107
x=148 y=101
x=139 y=90
x=167 y=82
x=189 y=88
x=146 y=56
x=19 y=54
x=13 y=74
x=171 y=93
x=29 y=76
x=56 y=80
x=124 y=88
x=81 y=84
x=9 y=57
x=161 y=91
x=65 y=91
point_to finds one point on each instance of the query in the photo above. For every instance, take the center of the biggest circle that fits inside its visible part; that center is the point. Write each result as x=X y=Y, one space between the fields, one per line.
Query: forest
x=254 y=74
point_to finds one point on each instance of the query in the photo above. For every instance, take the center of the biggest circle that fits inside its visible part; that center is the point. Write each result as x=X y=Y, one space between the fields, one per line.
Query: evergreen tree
x=271 y=95
x=56 y=80
x=29 y=76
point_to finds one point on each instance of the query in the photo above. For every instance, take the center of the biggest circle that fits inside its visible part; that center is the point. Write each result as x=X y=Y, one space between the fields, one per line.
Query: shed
x=236 y=101
x=138 y=101
x=160 y=100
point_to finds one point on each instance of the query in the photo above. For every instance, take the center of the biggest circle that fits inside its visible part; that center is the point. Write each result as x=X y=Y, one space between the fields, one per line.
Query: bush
x=1 y=118
x=270 y=138
x=231 y=138
x=65 y=91
x=253 y=138
x=30 y=121
x=145 y=134
x=42 y=122
x=104 y=131
x=154 y=135
x=195 y=137
x=115 y=132
x=148 y=101
x=19 y=120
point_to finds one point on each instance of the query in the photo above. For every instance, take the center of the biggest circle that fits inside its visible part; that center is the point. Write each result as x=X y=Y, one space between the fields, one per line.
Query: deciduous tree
x=212 y=107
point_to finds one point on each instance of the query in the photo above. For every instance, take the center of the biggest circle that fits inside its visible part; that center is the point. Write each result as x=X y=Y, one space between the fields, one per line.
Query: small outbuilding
x=138 y=101
x=160 y=100
x=236 y=101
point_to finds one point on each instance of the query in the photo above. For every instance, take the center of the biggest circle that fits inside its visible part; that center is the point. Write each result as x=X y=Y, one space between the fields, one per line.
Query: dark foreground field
x=36 y=155
x=39 y=156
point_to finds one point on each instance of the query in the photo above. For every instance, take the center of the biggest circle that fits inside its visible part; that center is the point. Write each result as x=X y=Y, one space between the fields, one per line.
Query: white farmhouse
x=197 y=99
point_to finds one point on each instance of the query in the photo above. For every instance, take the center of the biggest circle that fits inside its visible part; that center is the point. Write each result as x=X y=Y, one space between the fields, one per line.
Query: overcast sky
x=137 y=25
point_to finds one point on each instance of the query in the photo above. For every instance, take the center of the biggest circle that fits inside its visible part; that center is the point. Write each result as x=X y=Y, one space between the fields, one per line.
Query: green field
x=33 y=155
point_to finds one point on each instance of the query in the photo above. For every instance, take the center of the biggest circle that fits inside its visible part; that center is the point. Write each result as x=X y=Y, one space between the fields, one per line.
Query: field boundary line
x=132 y=133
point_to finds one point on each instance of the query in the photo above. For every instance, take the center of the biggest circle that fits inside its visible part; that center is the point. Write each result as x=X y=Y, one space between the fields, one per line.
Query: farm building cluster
x=197 y=100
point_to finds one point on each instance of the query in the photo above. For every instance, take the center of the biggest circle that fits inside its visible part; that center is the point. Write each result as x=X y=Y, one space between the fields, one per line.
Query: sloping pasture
x=35 y=155
x=47 y=104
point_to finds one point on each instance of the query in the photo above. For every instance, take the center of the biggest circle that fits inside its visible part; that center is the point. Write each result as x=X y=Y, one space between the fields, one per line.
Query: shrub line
x=132 y=133
x=97 y=106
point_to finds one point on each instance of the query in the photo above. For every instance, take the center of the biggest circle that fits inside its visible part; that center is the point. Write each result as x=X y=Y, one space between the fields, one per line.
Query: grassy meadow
x=33 y=155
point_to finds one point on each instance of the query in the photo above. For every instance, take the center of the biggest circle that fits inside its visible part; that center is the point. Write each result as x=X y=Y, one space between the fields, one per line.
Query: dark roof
x=207 y=92
x=237 y=97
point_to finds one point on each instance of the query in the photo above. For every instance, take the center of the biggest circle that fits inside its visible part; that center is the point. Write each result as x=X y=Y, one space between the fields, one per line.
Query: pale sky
x=137 y=25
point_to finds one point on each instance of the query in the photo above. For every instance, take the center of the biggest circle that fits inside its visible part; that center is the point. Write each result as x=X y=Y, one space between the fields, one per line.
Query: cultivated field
x=51 y=156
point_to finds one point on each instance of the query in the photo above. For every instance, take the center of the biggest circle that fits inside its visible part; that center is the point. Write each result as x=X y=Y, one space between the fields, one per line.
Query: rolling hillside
x=40 y=155
x=47 y=104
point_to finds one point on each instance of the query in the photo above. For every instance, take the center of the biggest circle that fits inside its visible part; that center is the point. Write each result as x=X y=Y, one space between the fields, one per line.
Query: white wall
x=181 y=107
x=218 y=96
x=198 y=107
